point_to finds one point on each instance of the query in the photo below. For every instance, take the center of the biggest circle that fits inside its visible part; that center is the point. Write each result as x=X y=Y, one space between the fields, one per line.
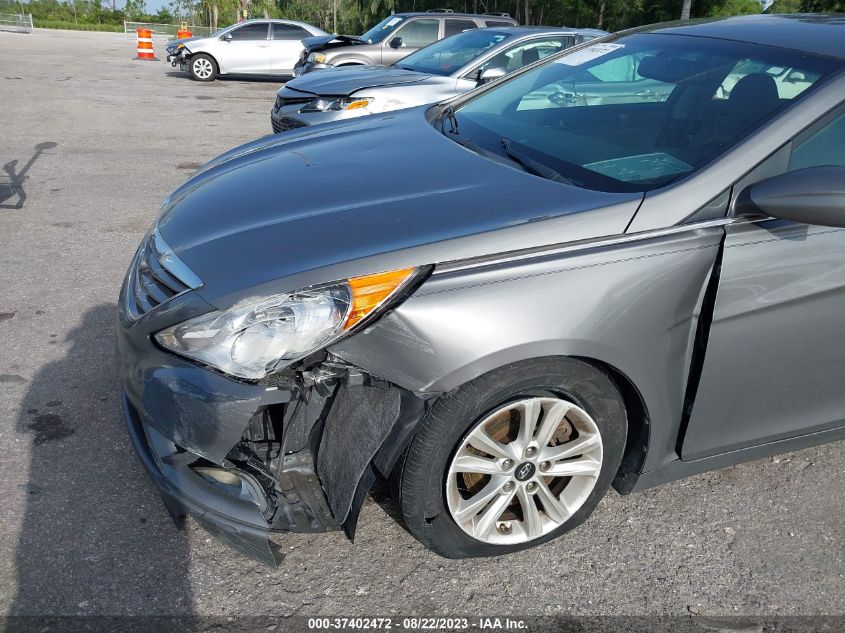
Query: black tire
x=202 y=60
x=418 y=480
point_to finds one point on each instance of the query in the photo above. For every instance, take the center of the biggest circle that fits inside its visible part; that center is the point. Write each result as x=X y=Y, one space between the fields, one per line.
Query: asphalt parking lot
x=91 y=142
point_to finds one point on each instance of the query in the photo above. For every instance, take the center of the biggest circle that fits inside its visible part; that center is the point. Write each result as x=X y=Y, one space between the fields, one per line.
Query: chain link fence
x=17 y=23
x=166 y=30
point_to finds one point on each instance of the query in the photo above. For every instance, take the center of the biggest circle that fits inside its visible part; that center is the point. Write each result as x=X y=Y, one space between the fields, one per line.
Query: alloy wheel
x=524 y=470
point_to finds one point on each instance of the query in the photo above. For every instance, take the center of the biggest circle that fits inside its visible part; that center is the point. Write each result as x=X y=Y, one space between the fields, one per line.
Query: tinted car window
x=825 y=146
x=525 y=53
x=446 y=56
x=637 y=113
x=382 y=29
x=453 y=26
x=419 y=33
x=490 y=23
x=289 y=32
x=250 y=32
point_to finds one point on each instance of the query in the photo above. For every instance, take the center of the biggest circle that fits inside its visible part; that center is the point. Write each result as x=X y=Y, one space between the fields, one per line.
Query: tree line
x=355 y=16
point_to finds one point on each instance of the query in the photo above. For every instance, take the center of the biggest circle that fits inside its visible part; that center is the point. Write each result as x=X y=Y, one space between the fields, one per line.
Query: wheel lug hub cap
x=525 y=471
x=508 y=487
x=507 y=464
x=545 y=466
x=530 y=451
x=531 y=487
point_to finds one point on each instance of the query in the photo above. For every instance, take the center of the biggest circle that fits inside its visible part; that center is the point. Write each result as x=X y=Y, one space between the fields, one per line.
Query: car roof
x=446 y=14
x=540 y=30
x=807 y=32
x=277 y=20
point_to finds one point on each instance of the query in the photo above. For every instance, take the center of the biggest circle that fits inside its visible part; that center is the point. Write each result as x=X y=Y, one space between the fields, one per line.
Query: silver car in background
x=445 y=69
x=253 y=47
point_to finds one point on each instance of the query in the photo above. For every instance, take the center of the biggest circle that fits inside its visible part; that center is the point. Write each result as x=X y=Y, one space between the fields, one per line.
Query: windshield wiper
x=532 y=166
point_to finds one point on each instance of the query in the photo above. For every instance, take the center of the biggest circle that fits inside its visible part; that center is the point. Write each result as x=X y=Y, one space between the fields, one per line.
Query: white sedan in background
x=252 y=47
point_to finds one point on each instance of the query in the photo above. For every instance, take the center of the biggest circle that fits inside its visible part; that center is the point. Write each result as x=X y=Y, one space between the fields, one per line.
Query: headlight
x=331 y=104
x=253 y=339
x=317 y=57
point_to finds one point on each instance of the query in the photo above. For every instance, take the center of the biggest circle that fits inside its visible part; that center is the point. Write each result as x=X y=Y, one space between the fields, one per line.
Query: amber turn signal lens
x=370 y=291
x=363 y=103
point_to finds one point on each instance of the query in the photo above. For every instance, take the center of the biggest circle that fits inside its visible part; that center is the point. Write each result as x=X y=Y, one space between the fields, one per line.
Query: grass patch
x=76 y=26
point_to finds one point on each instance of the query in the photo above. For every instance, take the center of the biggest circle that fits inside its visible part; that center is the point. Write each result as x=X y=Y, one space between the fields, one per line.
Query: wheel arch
x=639 y=426
x=213 y=57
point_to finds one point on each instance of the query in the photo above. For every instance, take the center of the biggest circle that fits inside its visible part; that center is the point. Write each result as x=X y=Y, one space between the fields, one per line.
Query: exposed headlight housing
x=333 y=104
x=253 y=339
x=317 y=57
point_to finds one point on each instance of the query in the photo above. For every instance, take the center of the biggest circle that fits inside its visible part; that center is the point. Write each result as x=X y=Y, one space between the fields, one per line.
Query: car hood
x=186 y=40
x=360 y=196
x=325 y=42
x=348 y=79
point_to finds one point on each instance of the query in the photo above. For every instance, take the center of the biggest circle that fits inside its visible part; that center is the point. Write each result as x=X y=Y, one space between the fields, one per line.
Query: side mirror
x=396 y=42
x=227 y=37
x=490 y=74
x=815 y=195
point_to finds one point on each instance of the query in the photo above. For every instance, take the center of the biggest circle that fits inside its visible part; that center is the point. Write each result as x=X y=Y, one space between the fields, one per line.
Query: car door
x=774 y=365
x=285 y=47
x=246 y=49
x=411 y=36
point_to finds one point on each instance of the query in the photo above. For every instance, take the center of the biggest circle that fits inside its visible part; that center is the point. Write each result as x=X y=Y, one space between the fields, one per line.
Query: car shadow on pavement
x=268 y=79
x=12 y=192
x=95 y=538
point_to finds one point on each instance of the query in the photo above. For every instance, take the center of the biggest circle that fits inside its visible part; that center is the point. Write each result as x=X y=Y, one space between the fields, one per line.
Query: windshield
x=382 y=29
x=447 y=56
x=639 y=112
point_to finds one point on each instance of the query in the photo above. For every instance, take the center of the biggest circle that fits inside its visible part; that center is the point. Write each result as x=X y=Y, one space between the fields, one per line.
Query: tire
x=420 y=479
x=203 y=67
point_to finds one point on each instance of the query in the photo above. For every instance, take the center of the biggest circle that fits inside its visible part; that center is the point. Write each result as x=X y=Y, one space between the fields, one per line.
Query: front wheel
x=512 y=459
x=203 y=67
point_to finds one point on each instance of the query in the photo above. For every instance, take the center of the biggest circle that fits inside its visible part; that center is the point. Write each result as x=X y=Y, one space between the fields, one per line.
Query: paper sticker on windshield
x=641 y=168
x=391 y=22
x=588 y=54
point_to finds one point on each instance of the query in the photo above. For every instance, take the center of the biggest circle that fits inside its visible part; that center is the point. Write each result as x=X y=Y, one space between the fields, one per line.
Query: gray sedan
x=504 y=309
x=444 y=69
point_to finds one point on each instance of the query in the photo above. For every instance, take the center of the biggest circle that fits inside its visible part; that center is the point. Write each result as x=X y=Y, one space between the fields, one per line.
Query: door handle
x=263 y=45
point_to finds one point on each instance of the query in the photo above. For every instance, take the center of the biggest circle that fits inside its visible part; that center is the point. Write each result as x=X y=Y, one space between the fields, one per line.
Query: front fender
x=632 y=306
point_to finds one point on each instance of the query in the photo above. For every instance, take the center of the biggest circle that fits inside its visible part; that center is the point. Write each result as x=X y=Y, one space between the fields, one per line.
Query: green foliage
x=735 y=7
x=356 y=16
x=786 y=6
x=75 y=26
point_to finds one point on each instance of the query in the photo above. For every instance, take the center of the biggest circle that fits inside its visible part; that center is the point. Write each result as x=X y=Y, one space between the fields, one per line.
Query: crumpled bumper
x=236 y=522
x=240 y=457
x=185 y=420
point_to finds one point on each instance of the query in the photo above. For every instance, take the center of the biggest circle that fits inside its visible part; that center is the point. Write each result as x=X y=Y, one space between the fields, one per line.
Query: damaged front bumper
x=296 y=453
x=178 y=57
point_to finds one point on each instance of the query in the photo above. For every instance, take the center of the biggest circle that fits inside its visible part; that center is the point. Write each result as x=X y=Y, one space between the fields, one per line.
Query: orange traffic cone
x=145 y=45
x=183 y=32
